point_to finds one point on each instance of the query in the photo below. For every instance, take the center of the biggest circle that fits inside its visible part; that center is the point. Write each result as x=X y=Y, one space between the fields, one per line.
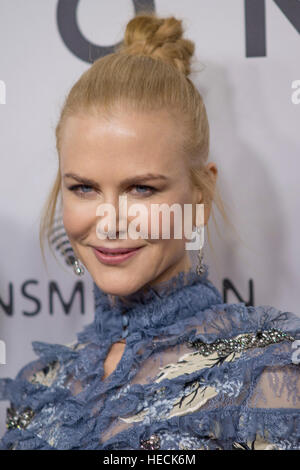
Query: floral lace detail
x=47 y=375
x=257 y=444
x=196 y=394
x=162 y=394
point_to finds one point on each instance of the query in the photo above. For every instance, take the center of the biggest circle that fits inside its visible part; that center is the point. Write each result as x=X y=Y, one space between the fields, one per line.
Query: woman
x=165 y=363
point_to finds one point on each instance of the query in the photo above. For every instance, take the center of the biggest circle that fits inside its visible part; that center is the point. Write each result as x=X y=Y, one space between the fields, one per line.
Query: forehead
x=126 y=141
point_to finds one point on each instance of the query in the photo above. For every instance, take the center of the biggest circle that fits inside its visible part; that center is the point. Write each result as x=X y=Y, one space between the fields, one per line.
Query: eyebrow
x=131 y=180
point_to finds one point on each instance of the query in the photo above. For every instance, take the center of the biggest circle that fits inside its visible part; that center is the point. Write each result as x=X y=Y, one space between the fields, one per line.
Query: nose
x=113 y=214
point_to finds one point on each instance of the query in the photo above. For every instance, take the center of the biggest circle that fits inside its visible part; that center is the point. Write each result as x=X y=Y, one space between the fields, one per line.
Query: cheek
x=77 y=218
x=162 y=223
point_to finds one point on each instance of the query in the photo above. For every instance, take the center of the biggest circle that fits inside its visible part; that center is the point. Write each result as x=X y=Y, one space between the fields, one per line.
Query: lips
x=112 y=251
x=115 y=256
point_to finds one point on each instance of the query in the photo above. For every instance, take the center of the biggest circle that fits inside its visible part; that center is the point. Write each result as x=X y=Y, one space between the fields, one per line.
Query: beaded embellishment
x=258 y=339
x=152 y=443
x=16 y=419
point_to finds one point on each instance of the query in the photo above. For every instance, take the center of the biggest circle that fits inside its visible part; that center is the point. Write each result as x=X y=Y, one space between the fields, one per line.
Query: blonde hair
x=148 y=71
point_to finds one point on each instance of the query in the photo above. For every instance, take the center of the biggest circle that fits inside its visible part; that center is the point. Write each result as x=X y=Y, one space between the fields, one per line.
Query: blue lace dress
x=196 y=373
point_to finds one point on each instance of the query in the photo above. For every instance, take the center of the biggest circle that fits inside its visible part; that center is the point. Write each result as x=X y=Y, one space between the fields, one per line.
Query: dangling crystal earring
x=200 y=266
x=200 y=269
x=62 y=244
x=78 y=269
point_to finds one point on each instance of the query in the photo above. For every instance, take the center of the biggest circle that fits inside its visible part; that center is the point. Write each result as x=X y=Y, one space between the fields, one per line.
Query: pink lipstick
x=114 y=255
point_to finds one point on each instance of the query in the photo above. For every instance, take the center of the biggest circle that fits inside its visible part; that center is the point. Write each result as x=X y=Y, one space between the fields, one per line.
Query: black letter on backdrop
x=67 y=306
x=255 y=23
x=38 y=303
x=228 y=285
x=8 y=308
x=74 y=39
x=255 y=26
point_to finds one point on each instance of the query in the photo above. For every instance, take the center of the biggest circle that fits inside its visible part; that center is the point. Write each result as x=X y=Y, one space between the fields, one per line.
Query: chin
x=120 y=292
x=114 y=286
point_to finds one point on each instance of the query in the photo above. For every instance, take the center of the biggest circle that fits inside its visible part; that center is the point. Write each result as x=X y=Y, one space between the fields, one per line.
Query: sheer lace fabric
x=163 y=387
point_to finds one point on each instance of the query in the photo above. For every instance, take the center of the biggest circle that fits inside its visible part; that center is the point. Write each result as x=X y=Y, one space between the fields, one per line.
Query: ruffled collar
x=153 y=310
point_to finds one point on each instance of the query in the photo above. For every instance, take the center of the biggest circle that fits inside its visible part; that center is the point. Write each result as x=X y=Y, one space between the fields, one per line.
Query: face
x=103 y=158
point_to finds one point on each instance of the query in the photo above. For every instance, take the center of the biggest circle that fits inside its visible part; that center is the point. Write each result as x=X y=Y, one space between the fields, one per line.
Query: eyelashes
x=78 y=187
x=75 y=188
x=149 y=188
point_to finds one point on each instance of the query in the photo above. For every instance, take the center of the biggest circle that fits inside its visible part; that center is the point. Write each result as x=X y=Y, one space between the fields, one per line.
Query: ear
x=213 y=169
x=212 y=173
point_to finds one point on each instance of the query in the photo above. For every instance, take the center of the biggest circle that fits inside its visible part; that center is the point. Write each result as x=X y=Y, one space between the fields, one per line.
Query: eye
x=83 y=189
x=78 y=187
x=146 y=189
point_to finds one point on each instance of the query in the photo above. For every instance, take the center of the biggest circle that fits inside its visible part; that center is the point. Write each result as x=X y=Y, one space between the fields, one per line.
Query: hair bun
x=160 y=38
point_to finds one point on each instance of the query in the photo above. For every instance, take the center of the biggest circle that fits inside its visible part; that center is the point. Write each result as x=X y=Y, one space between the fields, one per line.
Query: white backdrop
x=247 y=88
